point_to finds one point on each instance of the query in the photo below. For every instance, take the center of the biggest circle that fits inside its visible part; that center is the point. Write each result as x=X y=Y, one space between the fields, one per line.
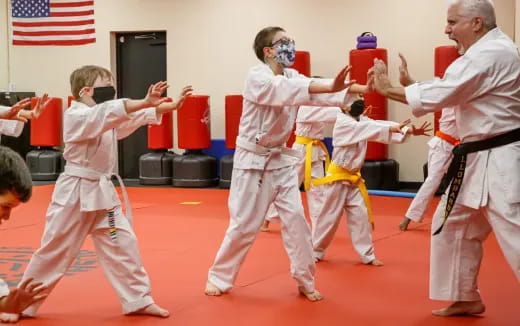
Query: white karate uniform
x=439 y=159
x=483 y=85
x=9 y=127
x=264 y=173
x=85 y=201
x=350 y=145
x=311 y=122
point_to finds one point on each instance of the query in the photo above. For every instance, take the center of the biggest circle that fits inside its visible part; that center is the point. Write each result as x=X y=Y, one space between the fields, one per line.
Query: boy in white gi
x=12 y=118
x=310 y=125
x=439 y=156
x=343 y=188
x=85 y=201
x=15 y=188
x=263 y=170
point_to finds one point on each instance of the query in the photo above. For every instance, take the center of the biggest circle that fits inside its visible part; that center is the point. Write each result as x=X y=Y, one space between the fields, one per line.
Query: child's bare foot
x=312 y=296
x=152 y=310
x=376 y=262
x=6 y=317
x=212 y=289
x=461 y=308
x=265 y=226
x=403 y=226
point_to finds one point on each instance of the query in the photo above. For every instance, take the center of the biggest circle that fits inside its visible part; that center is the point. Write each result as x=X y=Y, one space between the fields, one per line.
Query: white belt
x=266 y=151
x=104 y=183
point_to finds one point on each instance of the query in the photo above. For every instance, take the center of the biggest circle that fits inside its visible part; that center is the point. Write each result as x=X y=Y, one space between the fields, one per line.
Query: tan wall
x=209 y=45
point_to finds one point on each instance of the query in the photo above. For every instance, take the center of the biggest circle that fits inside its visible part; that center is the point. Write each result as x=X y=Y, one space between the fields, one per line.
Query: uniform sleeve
x=83 y=123
x=317 y=114
x=348 y=132
x=138 y=119
x=464 y=80
x=11 y=127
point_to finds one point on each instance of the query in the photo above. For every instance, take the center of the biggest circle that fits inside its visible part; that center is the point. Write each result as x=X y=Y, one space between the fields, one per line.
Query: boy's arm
x=11 y=127
x=264 y=88
x=151 y=115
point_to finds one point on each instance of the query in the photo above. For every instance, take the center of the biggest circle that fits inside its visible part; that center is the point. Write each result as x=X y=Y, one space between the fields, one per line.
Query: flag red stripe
x=67 y=23
x=55 y=42
x=47 y=33
x=71 y=4
x=72 y=13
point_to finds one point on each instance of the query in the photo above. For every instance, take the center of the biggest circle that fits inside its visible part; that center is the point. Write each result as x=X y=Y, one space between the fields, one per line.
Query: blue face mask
x=285 y=54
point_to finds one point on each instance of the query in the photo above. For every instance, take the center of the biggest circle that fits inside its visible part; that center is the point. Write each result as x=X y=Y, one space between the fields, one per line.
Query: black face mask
x=357 y=108
x=103 y=94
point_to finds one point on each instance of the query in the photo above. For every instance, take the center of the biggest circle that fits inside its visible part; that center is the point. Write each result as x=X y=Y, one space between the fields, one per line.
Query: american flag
x=52 y=22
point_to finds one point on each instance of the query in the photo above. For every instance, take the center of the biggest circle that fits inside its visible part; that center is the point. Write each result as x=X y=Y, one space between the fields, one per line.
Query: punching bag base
x=195 y=169
x=226 y=170
x=156 y=168
x=383 y=175
x=45 y=164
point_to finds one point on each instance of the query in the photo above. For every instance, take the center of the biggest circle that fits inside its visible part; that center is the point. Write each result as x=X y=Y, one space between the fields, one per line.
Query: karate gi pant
x=248 y=204
x=339 y=196
x=65 y=231
x=314 y=194
x=456 y=252
x=439 y=159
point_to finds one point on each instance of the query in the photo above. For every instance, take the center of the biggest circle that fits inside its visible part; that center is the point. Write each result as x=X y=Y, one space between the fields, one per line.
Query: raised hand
x=422 y=130
x=339 y=82
x=368 y=110
x=404 y=75
x=185 y=92
x=13 y=112
x=22 y=297
x=154 y=95
x=380 y=74
x=41 y=104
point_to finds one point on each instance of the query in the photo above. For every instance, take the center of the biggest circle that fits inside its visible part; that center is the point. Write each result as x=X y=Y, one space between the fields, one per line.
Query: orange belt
x=447 y=138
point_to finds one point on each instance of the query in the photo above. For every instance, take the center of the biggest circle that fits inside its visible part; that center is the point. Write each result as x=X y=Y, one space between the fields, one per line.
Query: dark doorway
x=22 y=144
x=141 y=61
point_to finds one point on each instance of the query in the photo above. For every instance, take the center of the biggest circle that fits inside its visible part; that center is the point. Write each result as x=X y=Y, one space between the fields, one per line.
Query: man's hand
x=20 y=298
x=404 y=75
x=41 y=104
x=154 y=95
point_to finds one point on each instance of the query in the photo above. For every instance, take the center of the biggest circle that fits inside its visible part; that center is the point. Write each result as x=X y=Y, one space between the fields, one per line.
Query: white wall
x=209 y=45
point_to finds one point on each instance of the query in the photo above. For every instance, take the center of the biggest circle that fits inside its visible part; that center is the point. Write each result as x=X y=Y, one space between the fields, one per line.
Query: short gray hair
x=479 y=8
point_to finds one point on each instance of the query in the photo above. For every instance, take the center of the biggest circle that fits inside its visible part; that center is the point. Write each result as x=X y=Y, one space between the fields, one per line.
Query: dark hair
x=14 y=175
x=263 y=39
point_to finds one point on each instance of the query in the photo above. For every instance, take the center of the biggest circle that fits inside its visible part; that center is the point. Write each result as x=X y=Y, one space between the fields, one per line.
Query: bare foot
x=152 y=310
x=376 y=262
x=265 y=226
x=212 y=289
x=312 y=296
x=6 y=317
x=403 y=226
x=461 y=308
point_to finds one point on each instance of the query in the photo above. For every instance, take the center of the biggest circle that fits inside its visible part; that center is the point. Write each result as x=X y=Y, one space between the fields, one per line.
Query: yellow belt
x=309 y=142
x=337 y=173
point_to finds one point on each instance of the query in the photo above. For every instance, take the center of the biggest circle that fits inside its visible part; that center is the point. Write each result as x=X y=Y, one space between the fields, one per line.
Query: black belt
x=458 y=164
